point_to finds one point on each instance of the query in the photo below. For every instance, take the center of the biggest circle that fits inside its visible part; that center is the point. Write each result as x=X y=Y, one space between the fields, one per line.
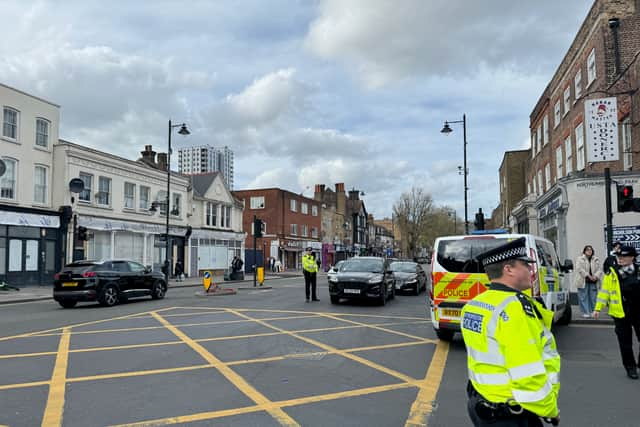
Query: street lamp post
x=446 y=129
x=183 y=131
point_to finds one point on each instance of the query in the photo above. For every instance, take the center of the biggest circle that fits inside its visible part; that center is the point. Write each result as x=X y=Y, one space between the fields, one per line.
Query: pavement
x=36 y=293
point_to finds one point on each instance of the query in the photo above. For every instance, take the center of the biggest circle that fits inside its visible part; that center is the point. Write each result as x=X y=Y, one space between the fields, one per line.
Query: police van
x=457 y=277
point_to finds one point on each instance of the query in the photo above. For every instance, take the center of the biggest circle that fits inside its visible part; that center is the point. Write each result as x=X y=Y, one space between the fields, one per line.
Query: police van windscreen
x=459 y=256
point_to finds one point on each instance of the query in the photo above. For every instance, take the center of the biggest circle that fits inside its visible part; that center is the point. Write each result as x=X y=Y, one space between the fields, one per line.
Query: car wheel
x=109 y=296
x=159 y=290
x=334 y=299
x=445 y=334
x=565 y=319
x=67 y=303
x=418 y=288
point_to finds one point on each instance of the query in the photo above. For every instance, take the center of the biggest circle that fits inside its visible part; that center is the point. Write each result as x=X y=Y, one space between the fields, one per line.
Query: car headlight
x=375 y=279
x=412 y=279
x=333 y=279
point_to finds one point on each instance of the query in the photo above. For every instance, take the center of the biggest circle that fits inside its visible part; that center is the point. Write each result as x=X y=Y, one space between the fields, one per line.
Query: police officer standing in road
x=512 y=359
x=621 y=292
x=309 y=268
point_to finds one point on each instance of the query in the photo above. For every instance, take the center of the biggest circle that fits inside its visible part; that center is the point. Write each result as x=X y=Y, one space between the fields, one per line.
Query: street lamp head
x=446 y=128
x=183 y=130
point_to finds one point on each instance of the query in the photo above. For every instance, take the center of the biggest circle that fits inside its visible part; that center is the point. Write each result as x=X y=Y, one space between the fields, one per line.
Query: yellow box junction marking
x=55 y=402
x=278 y=414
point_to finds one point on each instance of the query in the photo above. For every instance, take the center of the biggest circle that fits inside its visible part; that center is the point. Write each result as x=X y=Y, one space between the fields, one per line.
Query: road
x=266 y=358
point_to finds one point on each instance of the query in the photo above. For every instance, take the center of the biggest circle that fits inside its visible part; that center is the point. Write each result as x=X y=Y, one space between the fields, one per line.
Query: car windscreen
x=363 y=265
x=459 y=256
x=80 y=268
x=403 y=267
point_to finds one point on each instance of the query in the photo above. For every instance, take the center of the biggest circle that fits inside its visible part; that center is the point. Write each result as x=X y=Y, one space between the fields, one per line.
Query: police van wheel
x=444 y=334
x=565 y=319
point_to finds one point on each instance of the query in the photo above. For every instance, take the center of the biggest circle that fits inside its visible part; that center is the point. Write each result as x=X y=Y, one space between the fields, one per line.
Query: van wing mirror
x=568 y=265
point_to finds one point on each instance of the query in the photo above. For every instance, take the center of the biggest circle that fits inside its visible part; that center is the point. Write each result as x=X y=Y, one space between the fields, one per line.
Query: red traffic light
x=627 y=191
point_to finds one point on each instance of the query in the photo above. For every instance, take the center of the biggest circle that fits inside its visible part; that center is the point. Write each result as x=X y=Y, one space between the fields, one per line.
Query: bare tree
x=411 y=213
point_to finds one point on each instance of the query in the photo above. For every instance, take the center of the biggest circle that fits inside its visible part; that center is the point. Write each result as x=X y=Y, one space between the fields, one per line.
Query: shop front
x=30 y=247
x=292 y=254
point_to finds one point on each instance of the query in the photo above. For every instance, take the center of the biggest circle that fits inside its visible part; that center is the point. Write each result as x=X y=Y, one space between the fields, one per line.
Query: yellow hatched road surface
x=427 y=387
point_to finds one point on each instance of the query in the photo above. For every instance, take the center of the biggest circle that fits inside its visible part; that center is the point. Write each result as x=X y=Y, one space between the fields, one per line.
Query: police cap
x=627 y=251
x=515 y=249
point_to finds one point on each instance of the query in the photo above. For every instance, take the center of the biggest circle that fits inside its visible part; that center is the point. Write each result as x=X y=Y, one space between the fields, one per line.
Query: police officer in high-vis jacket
x=310 y=270
x=621 y=292
x=512 y=360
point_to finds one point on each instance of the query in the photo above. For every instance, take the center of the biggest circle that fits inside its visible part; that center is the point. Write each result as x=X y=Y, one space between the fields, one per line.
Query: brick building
x=292 y=222
x=565 y=197
x=512 y=174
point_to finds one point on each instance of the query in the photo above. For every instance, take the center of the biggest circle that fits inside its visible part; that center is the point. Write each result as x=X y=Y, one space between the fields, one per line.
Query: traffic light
x=257 y=227
x=625 y=198
x=479 y=222
x=82 y=233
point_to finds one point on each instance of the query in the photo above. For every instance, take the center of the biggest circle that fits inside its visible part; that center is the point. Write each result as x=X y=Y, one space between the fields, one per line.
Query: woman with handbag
x=588 y=273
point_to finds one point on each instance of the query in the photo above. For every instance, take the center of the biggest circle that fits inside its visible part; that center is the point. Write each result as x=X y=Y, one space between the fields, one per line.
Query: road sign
x=626 y=234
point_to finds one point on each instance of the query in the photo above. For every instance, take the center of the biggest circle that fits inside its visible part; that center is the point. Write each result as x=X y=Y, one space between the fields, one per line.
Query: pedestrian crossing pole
x=255 y=253
x=607 y=196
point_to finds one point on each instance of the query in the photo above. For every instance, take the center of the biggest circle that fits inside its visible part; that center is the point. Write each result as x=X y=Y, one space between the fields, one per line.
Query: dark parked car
x=409 y=276
x=107 y=282
x=361 y=278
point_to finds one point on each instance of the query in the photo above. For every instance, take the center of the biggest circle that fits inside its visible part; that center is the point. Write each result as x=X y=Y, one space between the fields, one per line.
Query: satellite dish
x=76 y=185
x=3 y=167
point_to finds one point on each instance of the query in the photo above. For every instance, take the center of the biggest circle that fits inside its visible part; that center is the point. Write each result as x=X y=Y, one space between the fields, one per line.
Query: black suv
x=363 y=277
x=107 y=282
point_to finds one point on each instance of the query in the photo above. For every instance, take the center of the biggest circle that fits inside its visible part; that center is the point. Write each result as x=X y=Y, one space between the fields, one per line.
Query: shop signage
x=29 y=219
x=625 y=234
x=550 y=208
x=601 y=123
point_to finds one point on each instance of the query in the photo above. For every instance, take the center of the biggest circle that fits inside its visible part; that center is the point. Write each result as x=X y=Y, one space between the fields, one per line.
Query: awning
x=29 y=219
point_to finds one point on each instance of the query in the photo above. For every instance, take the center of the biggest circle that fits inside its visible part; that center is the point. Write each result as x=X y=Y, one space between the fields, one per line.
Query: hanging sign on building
x=601 y=126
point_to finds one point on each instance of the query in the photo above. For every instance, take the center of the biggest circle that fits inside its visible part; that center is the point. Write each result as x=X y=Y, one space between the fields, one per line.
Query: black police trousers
x=310 y=284
x=483 y=413
x=624 y=330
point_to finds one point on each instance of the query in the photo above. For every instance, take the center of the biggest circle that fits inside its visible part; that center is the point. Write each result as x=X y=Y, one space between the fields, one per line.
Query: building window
x=559 y=159
x=580 y=147
x=294 y=229
x=292 y=205
x=540 y=188
x=10 y=123
x=177 y=204
x=226 y=216
x=534 y=147
x=577 y=85
x=8 y=180
x=627 y=153
x=257 y=202
x=547 y=176
x=304 y=230
x=212 y=214
x=145 y=193
x=85 y=195
x=264 y=228
x=568 y=154
x=529 y=189
x=556 y=114
x=591 y=67
x=314 y=210
x=539 y=138
x=304 y=208
x=545 y=126
x=314 y=232
x=129 y=195
x=40 y=185
x=567 y=100
x=104 y=191
x=42 y=133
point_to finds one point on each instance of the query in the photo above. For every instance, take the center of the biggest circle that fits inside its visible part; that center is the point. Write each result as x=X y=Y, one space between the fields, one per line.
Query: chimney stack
x=162 y=161
x=149 y=156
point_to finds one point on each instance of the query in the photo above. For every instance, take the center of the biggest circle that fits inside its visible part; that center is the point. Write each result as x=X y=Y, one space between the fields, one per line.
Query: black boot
x=632 y=372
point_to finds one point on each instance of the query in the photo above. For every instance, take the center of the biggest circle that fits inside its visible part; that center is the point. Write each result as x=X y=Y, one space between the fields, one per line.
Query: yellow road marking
x=278 y=414
x=24 y=385
x=203 y=416
x=93 y=322
x=328 y=316
x=55 y=402
x=339 y=352
x=423 y=405
x=138 y=373
x=262 y=310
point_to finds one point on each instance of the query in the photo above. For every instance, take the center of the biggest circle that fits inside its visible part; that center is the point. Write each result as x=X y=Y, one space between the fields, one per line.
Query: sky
x=305 y=92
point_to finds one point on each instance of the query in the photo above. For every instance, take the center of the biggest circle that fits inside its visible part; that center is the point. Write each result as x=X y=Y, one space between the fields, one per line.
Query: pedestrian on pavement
x=621 y=292
x=278 y=266
x=512 y=360
x=612 y=260
x=588 y=275
x=179 y=271
x=310 y=269
x=272 y=264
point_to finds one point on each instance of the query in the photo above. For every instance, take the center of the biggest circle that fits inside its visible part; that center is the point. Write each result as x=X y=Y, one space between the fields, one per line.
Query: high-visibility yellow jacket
x=309 y=263
x=511 y=352
x=610 y=295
